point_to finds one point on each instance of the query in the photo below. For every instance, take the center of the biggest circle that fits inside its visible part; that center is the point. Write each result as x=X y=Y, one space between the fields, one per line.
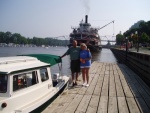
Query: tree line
x=139 y=32
x=16 y=38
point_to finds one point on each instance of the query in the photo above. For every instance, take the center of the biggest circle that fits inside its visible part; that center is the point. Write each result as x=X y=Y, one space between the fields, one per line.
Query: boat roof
x=17 y=63
x=47 y=58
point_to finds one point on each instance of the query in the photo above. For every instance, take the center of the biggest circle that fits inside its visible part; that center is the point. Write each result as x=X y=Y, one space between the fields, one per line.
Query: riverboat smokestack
x=86 y=18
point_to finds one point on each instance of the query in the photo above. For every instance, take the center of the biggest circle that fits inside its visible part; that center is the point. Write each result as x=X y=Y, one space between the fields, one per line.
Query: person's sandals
x=84 y=84
x=87 y=85
x=75 y=83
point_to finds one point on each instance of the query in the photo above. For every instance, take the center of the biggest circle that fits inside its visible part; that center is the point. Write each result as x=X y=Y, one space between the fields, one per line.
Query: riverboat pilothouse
x=26 y=82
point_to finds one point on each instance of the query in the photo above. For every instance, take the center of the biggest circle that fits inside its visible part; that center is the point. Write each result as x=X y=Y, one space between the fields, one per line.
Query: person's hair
x=74 y=40
x=83 y=44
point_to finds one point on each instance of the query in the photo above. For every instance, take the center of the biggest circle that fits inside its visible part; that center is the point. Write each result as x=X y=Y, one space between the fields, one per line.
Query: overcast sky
x=52 y=18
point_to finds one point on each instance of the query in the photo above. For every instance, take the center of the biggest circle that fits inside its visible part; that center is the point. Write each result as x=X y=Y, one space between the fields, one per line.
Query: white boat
x=26 y=82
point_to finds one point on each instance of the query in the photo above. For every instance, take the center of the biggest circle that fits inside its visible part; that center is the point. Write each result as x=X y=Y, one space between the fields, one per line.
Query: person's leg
x=72 y=71
x=78 y=69
x=76 y=78
x=87 y=75
x=72 y=77
x=77 y=74
x=83 y=75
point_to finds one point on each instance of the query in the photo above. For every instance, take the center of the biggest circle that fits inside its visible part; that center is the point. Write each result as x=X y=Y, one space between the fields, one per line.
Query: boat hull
x=47 y=103
x=28 y=82
x=95 y=48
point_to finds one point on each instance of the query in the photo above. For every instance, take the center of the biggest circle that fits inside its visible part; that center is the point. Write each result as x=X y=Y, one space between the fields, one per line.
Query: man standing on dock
x=74 y=53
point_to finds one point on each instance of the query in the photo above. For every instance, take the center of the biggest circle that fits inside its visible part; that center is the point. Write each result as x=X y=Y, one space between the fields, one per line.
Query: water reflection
x=104 y=56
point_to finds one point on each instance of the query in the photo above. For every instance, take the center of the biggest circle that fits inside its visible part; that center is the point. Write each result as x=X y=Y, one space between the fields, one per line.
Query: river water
x=103 y=56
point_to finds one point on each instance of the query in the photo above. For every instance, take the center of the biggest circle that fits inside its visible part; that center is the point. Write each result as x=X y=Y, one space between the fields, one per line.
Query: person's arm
x=67 y=53
x=89 y=56
x=88 y=59
x=63 y=55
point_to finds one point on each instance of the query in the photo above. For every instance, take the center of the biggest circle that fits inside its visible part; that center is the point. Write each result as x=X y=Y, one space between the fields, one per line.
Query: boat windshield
x=3 y=83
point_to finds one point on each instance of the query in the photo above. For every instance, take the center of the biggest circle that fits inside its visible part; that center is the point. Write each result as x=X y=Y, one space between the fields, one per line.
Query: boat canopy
x=47 y=58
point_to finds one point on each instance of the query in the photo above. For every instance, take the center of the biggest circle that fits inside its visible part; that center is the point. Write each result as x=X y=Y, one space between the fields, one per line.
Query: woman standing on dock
x=85 y=64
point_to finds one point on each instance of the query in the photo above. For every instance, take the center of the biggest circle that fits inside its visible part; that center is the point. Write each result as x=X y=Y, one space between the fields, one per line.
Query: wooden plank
x=102 y=69
x=132 y=86
x=102 y=72
x=126 y=89
x=125 y=86
x=112 y=105
x=107 y=68
x=65 y=97
x=134 y=90
x=61 y=102
x=115 y=70
x=105 y=86
x=60 y=108
x=93 y=68
x=82 y=90
x=93 y=105
x=97 y=90
x=106 y=72
x=50 y=108
x=119 y=89
x=122 y=105
x=111 y=67
x=83 y=104
x=117 y=67
x=103 y=104
x=111 y=72
x=99 y=70
x=90 y=90
x=112 y=87
x=74 y=104
x=114 y=67
x=92 y=86
x=94 y=80
x=133 y=108
x=73 y=90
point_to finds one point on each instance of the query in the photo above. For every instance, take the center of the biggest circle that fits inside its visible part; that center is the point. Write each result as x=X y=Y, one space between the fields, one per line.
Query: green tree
x=2 y=37
x=119 y=39
x=144 y=38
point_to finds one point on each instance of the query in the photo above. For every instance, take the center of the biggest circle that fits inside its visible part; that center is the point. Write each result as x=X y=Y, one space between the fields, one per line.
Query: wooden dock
x=114 y=88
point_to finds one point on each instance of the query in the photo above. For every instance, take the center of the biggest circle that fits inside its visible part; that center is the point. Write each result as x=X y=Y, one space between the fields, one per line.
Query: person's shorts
x=75 y=66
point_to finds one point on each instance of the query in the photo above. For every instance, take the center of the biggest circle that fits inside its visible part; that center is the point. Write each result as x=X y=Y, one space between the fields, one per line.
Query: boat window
x=24 y=80
x=44 y=74
x=3 y=83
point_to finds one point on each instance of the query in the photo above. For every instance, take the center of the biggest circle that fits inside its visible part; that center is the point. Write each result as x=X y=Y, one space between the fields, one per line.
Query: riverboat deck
x=114 y=88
